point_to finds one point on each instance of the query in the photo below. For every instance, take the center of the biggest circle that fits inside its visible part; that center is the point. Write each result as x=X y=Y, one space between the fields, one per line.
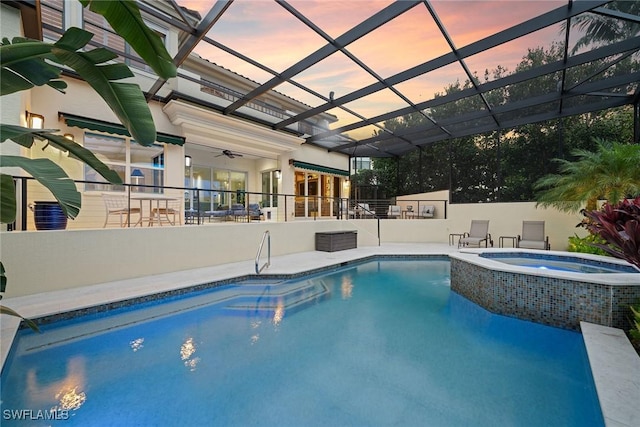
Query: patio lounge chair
x=394 y=211
x=427 y=211
x=363 y=210
x=533 y=236
x=255 y=212
x=238 y=211
x=345 y=211
x=221 y=213
x=478 y=233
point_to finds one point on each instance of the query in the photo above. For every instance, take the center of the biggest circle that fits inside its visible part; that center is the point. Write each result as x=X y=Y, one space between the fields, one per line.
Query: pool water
x=569 y=263
x=558 y=265
x=380 y=343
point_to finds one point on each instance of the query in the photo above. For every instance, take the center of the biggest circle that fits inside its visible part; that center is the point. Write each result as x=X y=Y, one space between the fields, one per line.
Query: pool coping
x=614 y=364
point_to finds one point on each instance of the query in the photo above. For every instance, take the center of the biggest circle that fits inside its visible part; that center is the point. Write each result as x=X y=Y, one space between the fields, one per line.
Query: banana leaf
x=124 y=17
x=25 y=137
x=24 y=65
x=10 y=312
x=7 y=201
x=50 y=175
x=125 y=99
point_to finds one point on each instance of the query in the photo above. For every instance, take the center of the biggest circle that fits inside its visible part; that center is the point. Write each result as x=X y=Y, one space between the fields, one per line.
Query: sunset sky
x=266 y=32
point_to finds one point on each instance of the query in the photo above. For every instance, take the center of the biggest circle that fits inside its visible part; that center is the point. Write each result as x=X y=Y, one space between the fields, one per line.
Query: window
x=134 y=163
x=221 y=187
x=52 y=14
x=269 y=190
x=104 y=35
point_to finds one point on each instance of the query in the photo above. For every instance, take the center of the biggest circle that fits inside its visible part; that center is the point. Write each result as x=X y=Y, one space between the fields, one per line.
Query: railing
x=200 y=205
x=266 y=236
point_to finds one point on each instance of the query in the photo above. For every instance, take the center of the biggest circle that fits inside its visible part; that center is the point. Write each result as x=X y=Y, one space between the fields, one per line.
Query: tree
x=611 y=173
x=28 y=63
x=599 y=29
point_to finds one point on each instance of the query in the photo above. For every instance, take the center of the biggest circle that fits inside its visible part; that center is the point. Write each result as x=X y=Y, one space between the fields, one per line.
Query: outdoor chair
x=118 y=206
x=254 y=211
x=478 y=233
x=427 y=211
x=238 y=211
x=394 y=211
x=167 y=213
x=533 y=236
x=220 y=213
x=363 y=210
x=345 y=210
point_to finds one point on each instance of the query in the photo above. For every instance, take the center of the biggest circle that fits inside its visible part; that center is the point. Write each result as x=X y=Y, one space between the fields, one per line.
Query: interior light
x=35 y=121
x=137 y=173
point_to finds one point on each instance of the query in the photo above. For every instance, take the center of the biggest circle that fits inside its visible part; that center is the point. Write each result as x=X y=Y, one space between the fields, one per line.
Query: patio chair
x=172 y=209
x=363 y=210
x=478 y=233
x=394 y=211
x=533 y=236
x=220 y=213
x=427 y=211
x=238 y=211
x=119 y=206
x=255 y=212
x=345 y=210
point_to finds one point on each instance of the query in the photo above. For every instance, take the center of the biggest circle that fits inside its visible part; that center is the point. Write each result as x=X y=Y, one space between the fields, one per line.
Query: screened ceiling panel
x=426 y=86
x=414 y=30
x=390 y=76
x=377 y=103
x=277 y=47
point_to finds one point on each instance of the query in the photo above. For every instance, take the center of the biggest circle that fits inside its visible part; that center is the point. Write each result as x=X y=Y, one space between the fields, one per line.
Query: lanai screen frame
x=194 y=29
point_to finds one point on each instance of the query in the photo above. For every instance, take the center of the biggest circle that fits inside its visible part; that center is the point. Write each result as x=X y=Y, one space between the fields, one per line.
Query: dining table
x=147 y=213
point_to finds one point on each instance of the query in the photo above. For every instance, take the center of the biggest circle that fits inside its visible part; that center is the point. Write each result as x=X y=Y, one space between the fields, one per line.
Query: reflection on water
x=67 y=392
x=278 y=313
x=187 y=350
x=70 y=399
x=346 y=287
x=136 y=344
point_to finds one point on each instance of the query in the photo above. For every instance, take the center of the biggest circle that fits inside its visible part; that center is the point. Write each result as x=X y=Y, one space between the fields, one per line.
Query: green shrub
x=619 y=225
x=634 y=332
x=585 y=244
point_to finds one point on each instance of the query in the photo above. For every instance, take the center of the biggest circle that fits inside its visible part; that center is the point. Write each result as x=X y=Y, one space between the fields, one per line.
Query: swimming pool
x=377 y=343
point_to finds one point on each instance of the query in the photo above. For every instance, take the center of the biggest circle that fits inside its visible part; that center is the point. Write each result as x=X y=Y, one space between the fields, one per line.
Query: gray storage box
x=331 y=241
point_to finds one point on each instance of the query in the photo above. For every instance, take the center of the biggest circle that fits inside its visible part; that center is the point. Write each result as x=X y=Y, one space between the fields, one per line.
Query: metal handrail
x=267 y=236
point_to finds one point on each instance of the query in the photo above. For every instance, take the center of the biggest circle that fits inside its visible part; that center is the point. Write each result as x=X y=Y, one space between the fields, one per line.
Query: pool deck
x=614 y=362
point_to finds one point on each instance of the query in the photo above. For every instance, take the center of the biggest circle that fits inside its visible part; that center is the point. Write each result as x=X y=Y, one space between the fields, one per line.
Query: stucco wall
x=38 y=261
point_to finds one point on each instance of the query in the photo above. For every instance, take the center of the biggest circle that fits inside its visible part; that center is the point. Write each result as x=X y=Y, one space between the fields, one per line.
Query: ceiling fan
x=230 y=154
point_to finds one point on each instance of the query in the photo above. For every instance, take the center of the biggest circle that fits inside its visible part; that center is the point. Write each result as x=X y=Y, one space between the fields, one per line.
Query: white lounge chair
x=363 y=210
x=478 y=233
x=345 y=210
x=394 y=211
x=533 y=236
x=427 y=211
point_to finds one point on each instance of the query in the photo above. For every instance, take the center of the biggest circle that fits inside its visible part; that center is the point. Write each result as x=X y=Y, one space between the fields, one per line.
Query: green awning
x=114 y=128
x=319 y=168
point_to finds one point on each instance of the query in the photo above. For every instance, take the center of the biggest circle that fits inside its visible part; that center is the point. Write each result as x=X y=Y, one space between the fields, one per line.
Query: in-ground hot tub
x=554 y=288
